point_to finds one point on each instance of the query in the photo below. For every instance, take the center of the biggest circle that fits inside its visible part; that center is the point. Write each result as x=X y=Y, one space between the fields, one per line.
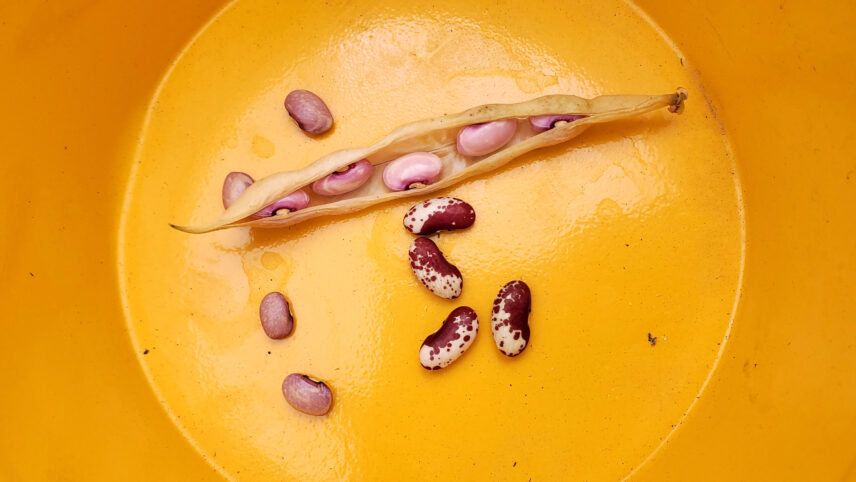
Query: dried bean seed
x=453 y=338
x=310 y=396
x=433 y=270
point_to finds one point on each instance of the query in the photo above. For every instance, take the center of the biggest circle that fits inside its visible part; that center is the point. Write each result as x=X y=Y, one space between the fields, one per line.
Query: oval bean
x=310 y=396
x=543 y=123
x=310 y=112
x=454 y=337
x=412 y=171
x=482 y=139
x=341 y=182
x=293 y=202
x=510 y=318
x=440 y=213
x=234 y=185
x=276 y=317
x=433 y=270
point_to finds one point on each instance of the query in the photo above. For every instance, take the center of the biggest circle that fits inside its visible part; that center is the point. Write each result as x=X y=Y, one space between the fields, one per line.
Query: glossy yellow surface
x=77 y=404
x=634 y=228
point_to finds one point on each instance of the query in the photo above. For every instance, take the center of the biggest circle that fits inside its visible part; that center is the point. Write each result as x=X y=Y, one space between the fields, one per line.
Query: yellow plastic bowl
x=105 y=139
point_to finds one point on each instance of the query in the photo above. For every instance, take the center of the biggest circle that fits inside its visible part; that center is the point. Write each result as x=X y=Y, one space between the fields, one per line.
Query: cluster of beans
x=510 y=316
x=511 y=307
x=410 y=171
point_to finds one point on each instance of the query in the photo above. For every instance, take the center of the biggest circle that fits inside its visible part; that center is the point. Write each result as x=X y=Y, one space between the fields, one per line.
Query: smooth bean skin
x=543 y=123
x=439 y=214
x=433 y=270
x=293 y=202
x=234 y=185
x=411 y=170
x=482 y=139
x=510 y=318
x=309 y=111
x=451 y=340
x=307 y=395
x=344 y=182
x=275 y=315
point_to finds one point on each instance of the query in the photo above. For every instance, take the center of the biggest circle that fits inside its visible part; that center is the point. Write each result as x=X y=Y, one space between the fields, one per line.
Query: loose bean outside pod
x=510 y=318
x=293 y=202
x=438 y=214
x=275 y=315
x=482 y=139
x=354 y=176
x=433 y=270
x=412 y=170
x=310 y=112
x=454 y=337
x=310 y=396
x=234 y=185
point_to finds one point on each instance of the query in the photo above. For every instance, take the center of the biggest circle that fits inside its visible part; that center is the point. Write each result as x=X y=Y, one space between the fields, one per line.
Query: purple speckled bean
x=341 y=182
x=543 y=123
x=310 y=396
x=234 y=185
x=412 y=170
x=440 y=213
x=293 y=202
x=482 y=139
x=454 y=337
x=310 y=112
x=510 y=318
x=433 y=270
x=274 y=312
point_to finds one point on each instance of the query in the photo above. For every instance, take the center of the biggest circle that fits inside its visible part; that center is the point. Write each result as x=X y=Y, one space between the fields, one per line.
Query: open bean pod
x=437 y=136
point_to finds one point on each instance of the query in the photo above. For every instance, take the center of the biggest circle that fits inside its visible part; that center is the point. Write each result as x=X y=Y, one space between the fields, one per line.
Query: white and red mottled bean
x=438 y=214
x=454 y=337
x=510 y=318
x=433 y=270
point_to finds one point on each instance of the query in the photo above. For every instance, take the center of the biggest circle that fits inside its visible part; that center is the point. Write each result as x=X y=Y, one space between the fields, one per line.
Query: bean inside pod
x=437 y=137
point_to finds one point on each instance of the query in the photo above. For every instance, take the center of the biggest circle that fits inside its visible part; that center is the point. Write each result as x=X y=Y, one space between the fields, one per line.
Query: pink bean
x=309 y=111
x=312 y=397
x=543 y=123
x=412 y=170
x=275 y=315
x=482 y=139
x=293 y=202
x=341 y=182
x=234 y=185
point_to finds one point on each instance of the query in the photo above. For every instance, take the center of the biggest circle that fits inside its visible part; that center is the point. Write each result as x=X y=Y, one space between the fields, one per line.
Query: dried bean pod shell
x=437 y=135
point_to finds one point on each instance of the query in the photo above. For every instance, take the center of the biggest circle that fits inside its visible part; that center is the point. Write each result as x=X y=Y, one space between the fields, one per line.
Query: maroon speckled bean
x=310 y=396
x=275 y=315
x=440 y=213
x=433 y=270
x=452 y=339
x=310 y=112
x=510 y=318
